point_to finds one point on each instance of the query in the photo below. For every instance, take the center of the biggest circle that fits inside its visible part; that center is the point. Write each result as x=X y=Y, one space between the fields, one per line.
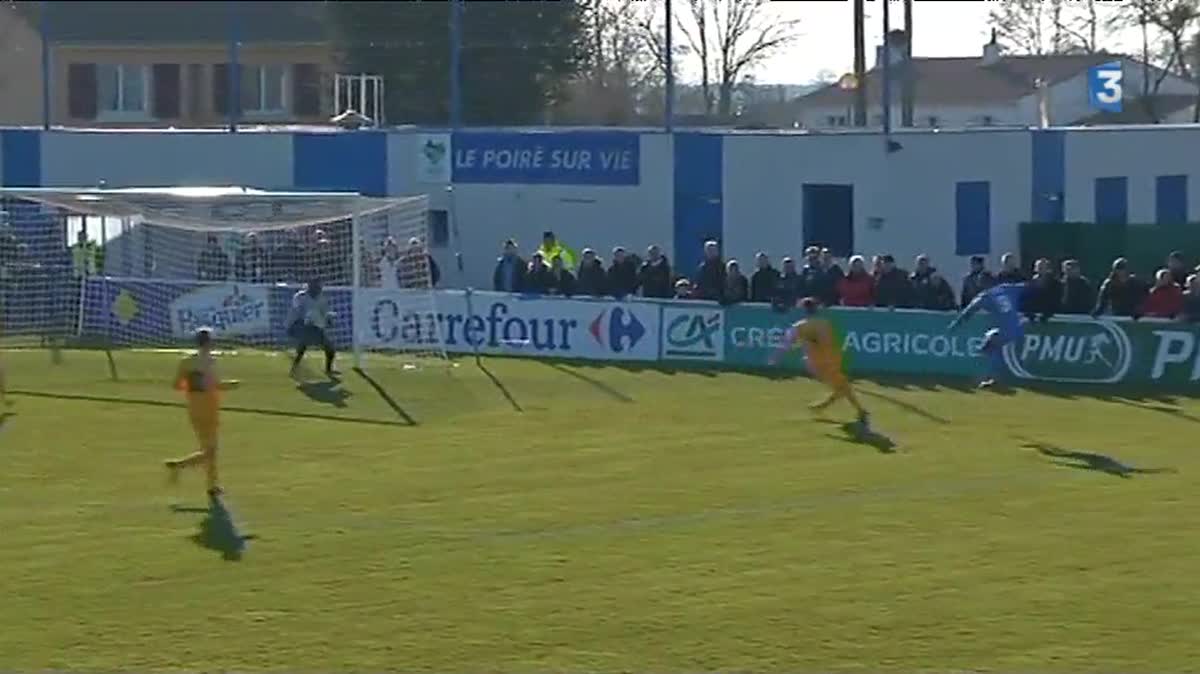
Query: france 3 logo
x=1104 y=86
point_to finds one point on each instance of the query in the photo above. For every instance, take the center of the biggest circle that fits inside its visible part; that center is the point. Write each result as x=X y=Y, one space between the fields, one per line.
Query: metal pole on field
x=455 y=63
x=669 y=64
x=234 y=92
x=44 y=29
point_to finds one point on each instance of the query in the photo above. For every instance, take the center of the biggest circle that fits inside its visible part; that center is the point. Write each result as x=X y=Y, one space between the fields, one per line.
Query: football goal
x=143 y=268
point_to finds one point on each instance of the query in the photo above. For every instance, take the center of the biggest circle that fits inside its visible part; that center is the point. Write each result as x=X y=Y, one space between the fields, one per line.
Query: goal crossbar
x=216 y=209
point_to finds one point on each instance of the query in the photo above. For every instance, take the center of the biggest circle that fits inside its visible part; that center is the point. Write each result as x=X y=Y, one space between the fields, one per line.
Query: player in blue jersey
x=1004 y=303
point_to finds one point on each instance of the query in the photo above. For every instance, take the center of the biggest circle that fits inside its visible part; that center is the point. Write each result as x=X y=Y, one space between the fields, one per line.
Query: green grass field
x=551 y=517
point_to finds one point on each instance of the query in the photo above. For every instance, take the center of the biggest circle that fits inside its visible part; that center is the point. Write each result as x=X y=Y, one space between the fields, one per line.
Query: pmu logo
x=1105 y=89
x=1077 y=352
x=618 y=329
x=694 y=335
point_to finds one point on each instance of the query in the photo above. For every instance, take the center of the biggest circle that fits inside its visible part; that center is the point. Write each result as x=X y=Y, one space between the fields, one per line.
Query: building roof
x=1139 y=112
x=966 y=80
x=175 y=22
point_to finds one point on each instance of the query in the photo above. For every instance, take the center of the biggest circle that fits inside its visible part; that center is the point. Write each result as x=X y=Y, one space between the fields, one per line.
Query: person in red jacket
x=1165 y=299
x=857 y=289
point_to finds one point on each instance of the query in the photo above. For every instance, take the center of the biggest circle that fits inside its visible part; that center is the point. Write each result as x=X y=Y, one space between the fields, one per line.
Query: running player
x=197 y=377
x=815 y=335
x=1004 y=303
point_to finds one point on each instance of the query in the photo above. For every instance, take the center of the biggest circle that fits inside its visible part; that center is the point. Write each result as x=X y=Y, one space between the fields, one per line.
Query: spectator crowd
x=1174 y=292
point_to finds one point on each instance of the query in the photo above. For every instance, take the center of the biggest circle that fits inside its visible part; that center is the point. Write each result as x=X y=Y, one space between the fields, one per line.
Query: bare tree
x=620 y=70
x=1042 y=27
x=728 y=39
x=1172 y=25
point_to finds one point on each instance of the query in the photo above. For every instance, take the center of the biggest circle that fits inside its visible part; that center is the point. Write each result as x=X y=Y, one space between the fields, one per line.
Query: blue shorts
x=307 y=335
x=999 y=337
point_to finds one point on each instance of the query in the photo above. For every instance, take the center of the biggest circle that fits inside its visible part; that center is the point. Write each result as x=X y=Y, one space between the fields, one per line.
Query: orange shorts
x=830 y=373
x=204 y=418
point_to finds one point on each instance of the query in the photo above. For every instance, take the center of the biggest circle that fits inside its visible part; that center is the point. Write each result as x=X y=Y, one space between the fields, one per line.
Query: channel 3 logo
x=1104 y=86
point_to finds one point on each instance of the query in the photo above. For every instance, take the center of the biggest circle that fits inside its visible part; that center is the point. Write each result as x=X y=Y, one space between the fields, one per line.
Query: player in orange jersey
x=197 y=378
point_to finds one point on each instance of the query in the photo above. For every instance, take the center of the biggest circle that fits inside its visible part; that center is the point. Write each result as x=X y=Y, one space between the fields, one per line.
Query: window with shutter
x=306 y=90
x=81 y=90
x=166 y=90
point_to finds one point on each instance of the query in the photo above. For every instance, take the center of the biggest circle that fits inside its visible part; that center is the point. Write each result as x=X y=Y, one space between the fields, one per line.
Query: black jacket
x=1043 y=298
x=737 y=289
x=893 y=289
x=560 y=283
x=931 y=291
x=1078 y=296
x=592 y=281
x=819 y=283
x=1191 y=307
x=1014 y=276
x=1123 y=299
x=788 y=291
x=538 y=280
x=763 y=285
x=655 y=279
x=975 y=283
x=519 y=276
x=710 y=280
x=622 y=278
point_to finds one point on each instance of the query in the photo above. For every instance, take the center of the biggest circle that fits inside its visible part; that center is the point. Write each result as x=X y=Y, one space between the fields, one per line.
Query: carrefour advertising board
x=498 y=323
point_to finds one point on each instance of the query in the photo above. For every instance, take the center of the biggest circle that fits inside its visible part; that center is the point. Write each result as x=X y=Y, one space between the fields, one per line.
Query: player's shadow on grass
x=854 y=433
x=907 y=407
x=387 y=397
x=1092 y=461
x=217 y=531
x=325 y=392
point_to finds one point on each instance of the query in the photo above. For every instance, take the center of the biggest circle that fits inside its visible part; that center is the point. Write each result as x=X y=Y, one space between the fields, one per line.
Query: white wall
x=1141 y=153
x=153 y=159
x=949 y=116
x=911 y=190
x=598 y=217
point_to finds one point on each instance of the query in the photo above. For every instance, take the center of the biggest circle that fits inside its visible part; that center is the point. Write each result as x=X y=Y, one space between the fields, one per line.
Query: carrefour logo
x=693 y=335
x=1078 y=352
x=618 y=329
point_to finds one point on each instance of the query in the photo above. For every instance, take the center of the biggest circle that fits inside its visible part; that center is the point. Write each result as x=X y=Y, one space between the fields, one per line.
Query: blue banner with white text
x=561 y=158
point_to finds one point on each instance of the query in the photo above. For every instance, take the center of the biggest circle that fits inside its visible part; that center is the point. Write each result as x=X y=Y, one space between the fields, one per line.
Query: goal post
x=144 y=267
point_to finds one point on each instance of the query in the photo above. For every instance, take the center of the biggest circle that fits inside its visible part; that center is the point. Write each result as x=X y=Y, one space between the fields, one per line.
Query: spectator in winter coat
x=834 y=271
x=1044 y=296
x=538 y=280
x=511 y=270
x=976 y=281
x=710 y=276
x=683 y=289
x=892 y=287
x=857 y=289
x=1191 y=300
x=818 y=282
x=1079 y=297
x=1165 y=299
x=1010 y=272
x=930 y=290
x=561 y=281
x=1178 y=268
x=765 y=281
x=622 y=274
x=654 y=277
x=737 y=286
x=1122 y=292
x=592 y=277
x=790 y=289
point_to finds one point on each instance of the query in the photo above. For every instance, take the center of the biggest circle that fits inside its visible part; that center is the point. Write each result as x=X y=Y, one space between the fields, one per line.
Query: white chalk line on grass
x=353 y=523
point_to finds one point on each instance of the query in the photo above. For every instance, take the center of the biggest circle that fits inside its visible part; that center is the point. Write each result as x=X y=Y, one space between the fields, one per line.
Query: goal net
x=144 y=268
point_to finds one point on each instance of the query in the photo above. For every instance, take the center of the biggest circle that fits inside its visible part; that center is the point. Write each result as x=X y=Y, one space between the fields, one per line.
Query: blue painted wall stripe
x=1049 y=170
x=1112 y=201
x=973 y=218
x=21 y=150
x=1171 y=200
x=699 y=189
x=351 y=161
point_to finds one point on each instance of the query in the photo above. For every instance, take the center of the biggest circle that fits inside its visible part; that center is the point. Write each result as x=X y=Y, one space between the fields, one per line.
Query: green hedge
x=1096 y=246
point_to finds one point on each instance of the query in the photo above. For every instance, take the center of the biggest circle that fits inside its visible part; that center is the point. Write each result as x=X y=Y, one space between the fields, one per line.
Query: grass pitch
x=550 y=517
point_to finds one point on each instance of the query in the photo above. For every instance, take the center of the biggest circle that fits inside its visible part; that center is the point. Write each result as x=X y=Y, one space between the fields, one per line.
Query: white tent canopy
x=209 y=208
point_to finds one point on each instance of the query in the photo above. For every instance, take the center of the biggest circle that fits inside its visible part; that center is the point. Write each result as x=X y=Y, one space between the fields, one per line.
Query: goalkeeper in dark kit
x=307 y=325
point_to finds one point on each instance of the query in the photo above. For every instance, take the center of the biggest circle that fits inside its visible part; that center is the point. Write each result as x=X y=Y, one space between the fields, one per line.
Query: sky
x=826 y=35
